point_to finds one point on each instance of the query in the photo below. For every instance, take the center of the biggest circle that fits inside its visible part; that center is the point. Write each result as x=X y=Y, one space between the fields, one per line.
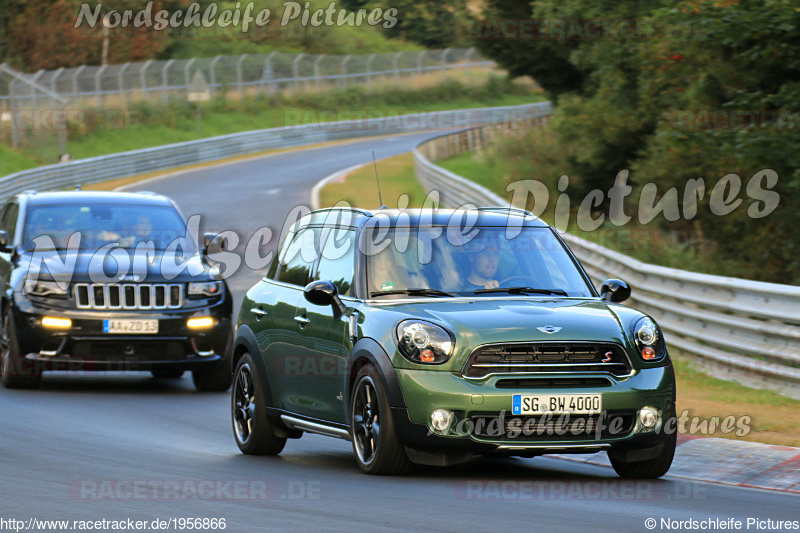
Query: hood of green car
x=479 y=321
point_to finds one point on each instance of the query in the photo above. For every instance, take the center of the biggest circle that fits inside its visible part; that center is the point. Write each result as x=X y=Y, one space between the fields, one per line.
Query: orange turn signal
x=648 y=354
x=427 y=356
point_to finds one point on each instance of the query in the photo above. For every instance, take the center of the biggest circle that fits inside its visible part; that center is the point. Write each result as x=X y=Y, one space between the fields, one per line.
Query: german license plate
x=130 y=326
x=573 y=404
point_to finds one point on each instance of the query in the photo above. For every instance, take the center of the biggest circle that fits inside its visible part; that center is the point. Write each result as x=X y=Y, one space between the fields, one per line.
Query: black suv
x=109 y=281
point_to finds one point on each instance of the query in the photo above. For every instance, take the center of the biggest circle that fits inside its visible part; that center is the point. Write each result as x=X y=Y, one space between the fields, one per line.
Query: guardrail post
x=213 y=74
x=121 y=83
x=444 y=61
x=53 y=80
x=468 y=63
x=33 y=84
x=268 y=75
x=369 y=68
x=343 y=69
x=316 y=69
x=394 y=65
x=419 y=61
x=75 y=76
x=239 y=79
x=165 y=80
x=13 y=104
x=187 y=78
x=143 y=78
x=97 y=88
x=296 y=70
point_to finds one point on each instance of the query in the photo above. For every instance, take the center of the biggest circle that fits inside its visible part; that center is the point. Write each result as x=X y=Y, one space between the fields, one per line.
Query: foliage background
x=618 y=99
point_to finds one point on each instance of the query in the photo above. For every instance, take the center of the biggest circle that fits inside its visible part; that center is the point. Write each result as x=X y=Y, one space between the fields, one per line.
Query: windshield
x=487 y=264
x=98 y=225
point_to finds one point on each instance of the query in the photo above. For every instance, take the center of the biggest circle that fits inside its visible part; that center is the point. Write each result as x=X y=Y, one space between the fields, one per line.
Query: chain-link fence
x=114 y=86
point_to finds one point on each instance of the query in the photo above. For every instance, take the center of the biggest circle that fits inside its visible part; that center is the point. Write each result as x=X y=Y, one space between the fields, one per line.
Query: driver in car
x=483 y=264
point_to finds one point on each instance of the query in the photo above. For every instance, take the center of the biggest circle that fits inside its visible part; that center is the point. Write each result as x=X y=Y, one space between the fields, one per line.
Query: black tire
x=15 y=371
x=377 y=452
x=252 y=428
x=650 y=469
x=215 y=378
x=167 y=373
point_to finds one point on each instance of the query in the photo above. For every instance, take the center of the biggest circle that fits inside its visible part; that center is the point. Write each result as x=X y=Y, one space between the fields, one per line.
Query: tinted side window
x=273 y=266
x=299 y=256
x=337 y=263
x=9 y=220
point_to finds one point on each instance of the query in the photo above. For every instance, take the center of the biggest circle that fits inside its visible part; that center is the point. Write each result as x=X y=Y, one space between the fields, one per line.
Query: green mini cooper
x=430 y=336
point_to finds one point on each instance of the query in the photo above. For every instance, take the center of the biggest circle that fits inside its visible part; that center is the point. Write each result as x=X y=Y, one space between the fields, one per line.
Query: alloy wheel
x=244 y=404
x=366 y=420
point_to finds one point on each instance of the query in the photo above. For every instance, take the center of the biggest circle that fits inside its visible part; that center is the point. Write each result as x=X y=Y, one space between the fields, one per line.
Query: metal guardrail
x=738 y=329
x=124 y=164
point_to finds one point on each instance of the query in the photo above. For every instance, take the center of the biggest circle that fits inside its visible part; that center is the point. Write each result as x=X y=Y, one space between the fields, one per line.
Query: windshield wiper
x=523 y=290
x=414 y=292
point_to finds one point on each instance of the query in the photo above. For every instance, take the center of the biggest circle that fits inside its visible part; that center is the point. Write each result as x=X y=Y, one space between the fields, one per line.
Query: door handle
x=303 y=321
x=260 y=313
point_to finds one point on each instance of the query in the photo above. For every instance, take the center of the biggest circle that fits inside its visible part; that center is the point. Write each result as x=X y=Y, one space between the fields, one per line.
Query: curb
x=726 y=461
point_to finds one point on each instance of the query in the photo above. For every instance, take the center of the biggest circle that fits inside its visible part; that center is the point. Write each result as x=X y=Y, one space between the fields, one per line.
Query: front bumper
x=473 y=399
x=85 y=346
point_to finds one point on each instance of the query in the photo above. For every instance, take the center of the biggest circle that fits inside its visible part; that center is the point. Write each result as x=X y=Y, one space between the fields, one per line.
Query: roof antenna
x=375 y=166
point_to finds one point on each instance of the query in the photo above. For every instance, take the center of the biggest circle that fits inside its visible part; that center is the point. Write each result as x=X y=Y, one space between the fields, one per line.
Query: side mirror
x=211 y=243
x=615 y=290
x=324 y=293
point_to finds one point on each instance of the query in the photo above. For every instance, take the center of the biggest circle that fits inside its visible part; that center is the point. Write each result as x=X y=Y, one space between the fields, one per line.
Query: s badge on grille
x=549 y=329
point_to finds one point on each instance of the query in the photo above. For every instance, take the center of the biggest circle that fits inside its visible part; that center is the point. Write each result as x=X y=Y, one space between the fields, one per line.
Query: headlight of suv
x=648 y=339
x=423 y=342
x=204 y=289
x=43 y=289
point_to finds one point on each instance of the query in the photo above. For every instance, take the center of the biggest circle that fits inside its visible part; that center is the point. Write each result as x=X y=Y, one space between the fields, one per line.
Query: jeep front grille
x=547 y=357
x=128 y=296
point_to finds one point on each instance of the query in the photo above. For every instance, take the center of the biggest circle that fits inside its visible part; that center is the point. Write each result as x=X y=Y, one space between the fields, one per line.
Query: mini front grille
x=551 y=383
x=128 y=296
x=547 y=357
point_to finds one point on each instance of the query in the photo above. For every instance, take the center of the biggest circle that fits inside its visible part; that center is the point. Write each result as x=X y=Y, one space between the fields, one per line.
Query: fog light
x=203 y=322
x=648 y=417
x=441 y=419
x=54 y=322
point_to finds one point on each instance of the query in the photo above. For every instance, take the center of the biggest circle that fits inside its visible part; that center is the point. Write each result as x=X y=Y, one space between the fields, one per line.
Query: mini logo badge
x=549 y=329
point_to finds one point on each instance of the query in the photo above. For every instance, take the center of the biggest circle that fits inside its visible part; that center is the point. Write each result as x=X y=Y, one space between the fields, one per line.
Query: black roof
x=486 y=216
x=96 y=197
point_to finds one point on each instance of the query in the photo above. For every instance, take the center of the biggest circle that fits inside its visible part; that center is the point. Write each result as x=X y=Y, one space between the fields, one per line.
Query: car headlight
x=423 y=342
x=205 y=288
x=648 y=339
x=43 y=289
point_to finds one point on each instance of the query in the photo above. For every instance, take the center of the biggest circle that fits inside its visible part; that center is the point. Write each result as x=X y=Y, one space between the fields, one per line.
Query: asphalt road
x=127 y=446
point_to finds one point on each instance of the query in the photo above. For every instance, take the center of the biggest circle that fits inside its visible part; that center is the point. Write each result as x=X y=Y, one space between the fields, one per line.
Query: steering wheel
x=523 y=281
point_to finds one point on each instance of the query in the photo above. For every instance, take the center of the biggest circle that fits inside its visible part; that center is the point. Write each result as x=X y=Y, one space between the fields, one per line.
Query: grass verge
x=359 y=189
x=773 y=419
